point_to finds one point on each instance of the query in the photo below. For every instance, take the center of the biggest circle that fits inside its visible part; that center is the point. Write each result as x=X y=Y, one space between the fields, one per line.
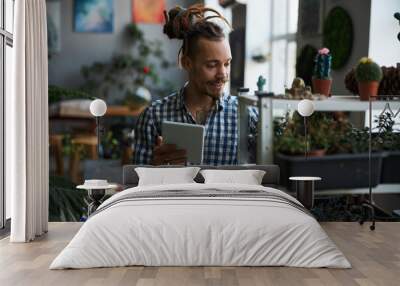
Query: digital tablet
x=185 y=136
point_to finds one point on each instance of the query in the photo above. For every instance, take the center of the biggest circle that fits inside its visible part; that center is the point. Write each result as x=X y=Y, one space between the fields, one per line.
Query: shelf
x=337 y=103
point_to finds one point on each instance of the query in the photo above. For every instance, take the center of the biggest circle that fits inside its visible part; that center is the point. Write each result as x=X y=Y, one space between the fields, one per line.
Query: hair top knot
x=180 y=21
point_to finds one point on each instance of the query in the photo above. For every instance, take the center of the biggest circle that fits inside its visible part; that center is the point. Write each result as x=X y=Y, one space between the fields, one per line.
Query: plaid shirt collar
x=180 y=102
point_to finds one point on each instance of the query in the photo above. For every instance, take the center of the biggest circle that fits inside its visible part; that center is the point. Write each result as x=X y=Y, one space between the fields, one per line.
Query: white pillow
x=248 y=177
x=164 y=176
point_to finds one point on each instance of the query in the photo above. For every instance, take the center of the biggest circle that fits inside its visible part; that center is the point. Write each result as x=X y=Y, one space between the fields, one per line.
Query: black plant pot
x=341 y=171
x=391 y=168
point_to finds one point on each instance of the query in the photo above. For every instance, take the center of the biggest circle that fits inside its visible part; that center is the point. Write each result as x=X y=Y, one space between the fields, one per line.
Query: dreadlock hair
x=190 y=24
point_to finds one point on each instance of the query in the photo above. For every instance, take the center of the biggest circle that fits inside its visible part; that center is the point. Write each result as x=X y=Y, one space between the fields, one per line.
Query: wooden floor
x=374 y=255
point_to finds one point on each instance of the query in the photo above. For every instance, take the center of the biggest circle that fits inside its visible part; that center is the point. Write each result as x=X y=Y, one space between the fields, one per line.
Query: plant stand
x=305 y=190
x=369 y=205
x=95 y=199
x=96 y=195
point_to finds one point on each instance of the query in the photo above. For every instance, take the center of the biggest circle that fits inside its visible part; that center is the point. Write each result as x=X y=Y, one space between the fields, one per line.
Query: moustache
x=220 y=81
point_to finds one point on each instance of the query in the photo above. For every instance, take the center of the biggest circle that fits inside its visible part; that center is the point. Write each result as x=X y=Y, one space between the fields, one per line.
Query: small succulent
x=322 y=64
x=261 y=82
x=367 y=70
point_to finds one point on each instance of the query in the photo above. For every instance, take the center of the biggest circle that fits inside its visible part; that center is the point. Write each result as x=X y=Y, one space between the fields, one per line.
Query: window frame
x=6 y=39
x=288 y=37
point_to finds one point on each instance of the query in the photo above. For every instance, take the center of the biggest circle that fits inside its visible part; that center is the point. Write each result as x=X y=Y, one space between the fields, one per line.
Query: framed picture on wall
x=148 y=11
x=226 y=3
x=96 y=16
x=53 y=11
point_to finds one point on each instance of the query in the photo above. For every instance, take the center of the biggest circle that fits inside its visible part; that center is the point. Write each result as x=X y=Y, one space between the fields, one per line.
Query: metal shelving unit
x=392 y=103
x=267 y=103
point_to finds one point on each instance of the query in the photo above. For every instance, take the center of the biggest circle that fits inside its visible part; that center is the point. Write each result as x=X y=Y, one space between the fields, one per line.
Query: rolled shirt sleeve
x=253 y=133
x=145 y=138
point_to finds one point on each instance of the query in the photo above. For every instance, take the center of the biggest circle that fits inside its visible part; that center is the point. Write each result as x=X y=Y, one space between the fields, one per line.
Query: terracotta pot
x=367 y=89
x=317 y=153
x=322 y=86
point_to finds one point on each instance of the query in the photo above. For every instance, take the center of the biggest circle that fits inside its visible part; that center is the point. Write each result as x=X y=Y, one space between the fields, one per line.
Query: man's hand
x=164 y=154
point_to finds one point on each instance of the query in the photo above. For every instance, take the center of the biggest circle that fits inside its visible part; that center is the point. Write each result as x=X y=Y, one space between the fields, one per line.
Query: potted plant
x=66 y=203
x=132 y=76
x=321 y=133
x=57 y=94
x=322 y=80
x=291 y=135
x=368 y=75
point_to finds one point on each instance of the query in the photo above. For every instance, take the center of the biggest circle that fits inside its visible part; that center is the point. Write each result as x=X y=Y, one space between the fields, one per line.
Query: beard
x=215 y=88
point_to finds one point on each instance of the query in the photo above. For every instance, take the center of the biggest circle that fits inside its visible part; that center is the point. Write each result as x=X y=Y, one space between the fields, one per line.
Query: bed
x=198 y=224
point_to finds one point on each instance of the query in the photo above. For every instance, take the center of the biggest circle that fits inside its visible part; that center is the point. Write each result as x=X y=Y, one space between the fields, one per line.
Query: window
x=284 y=15
x=6 y=43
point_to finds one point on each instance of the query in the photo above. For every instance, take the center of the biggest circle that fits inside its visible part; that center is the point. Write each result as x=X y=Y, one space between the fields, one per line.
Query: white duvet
x=200 y=231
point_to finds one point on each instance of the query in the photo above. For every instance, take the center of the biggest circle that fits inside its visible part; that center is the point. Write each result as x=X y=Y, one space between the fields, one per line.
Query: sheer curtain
x=27 y=124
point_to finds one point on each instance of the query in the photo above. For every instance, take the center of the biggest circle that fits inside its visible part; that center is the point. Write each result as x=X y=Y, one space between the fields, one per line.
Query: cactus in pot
x=322 y=80
x=368 y=75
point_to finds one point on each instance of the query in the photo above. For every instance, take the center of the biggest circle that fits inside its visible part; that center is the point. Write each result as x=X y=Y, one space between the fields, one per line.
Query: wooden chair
x=81 y=143
x=56 y=148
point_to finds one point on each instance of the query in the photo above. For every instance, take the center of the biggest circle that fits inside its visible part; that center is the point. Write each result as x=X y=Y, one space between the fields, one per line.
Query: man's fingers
x=167 y=153
x=178 y=162
x=159 y=141
x=178 y=155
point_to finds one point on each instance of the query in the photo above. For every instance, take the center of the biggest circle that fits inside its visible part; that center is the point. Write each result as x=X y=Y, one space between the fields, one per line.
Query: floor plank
x=374 y=255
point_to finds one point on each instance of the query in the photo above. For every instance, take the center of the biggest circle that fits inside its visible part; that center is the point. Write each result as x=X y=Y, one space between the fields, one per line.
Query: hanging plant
x=125 y=73
x=66 y=203
x=338 y=36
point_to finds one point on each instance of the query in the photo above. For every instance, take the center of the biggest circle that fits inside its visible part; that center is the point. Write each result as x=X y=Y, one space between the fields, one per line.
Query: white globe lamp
x=305 y=107
x=98 y=107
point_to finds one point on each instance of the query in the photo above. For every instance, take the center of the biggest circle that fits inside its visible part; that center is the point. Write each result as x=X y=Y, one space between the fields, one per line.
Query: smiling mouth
x=218 y=85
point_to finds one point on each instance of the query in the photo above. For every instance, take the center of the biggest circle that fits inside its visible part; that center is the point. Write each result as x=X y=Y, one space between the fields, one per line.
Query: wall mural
x=53 y=9
x=94 y=16
x=148 y=11
x=338 y=36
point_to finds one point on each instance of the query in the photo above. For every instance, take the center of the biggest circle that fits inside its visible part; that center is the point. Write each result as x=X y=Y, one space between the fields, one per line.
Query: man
x=206 y=57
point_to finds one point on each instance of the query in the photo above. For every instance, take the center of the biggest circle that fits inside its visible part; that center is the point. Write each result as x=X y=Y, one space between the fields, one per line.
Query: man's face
x=209 y=67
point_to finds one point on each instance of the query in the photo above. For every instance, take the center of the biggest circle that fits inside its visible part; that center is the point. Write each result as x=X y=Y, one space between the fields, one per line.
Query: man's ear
x=186 y=63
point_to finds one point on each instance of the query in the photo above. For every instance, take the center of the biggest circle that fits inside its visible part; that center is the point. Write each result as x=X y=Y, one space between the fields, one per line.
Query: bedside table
x=96 y=191
x=305 y=190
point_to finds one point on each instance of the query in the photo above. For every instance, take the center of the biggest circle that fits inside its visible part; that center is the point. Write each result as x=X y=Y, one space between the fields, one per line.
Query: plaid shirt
x=221 y=132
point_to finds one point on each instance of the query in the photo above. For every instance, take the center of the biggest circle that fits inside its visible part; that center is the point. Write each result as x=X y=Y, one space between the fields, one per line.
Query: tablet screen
x=189 y=137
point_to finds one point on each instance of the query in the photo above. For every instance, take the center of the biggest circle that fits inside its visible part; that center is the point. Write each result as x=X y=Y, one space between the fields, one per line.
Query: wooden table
x=85 y=122
x=112 y=111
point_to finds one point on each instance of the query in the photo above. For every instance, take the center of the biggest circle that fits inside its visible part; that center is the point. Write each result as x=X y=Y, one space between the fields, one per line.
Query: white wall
x=384 y=46
x=258 y=30
x=79 y=49
x=257 y=36
x=227 y=13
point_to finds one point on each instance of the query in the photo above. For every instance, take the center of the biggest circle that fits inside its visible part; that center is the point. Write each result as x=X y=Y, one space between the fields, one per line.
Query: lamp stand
x=369 y=204
x=305 y=136
x=98 y=135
